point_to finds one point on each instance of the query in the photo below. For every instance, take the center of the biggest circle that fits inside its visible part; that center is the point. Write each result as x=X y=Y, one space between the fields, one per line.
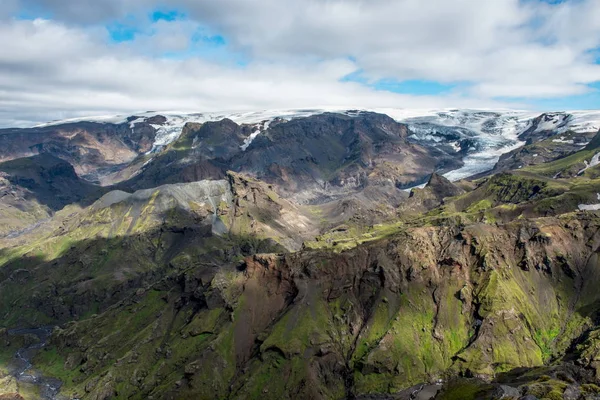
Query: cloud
x=53 y=71
x=290 y=53
x=499 y=42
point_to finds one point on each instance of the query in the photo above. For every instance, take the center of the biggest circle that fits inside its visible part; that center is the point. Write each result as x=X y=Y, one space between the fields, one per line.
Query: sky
x=61 y=59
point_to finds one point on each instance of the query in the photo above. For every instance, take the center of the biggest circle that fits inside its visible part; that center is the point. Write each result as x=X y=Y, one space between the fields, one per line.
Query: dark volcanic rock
x=88 y=146
x=315 y=159
x=442 y=187
x=431 y=196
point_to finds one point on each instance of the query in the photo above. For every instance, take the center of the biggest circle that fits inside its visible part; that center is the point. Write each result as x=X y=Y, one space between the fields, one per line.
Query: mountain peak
x=442 y=187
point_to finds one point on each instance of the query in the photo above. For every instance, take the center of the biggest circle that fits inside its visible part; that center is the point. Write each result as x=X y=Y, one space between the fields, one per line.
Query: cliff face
x=477 y=301
x=426 y=304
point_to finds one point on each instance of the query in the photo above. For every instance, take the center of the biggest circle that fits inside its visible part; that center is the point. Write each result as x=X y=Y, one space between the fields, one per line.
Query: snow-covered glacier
x=484 y=135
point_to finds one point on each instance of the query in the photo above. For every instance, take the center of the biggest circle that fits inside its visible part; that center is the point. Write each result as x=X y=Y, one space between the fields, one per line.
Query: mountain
x=111 y=149
x=315 y=159
x=280 y=255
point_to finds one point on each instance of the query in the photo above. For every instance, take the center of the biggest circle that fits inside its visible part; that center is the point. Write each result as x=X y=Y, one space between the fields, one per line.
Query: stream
x=22 y=370
x=424 y=391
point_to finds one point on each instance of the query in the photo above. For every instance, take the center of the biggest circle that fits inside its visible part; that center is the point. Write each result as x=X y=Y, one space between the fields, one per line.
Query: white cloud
x=495 y=42
x=297 y=53
x=53 y=71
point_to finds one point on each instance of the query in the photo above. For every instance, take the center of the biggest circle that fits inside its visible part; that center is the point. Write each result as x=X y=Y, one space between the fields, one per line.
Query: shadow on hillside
x=64 y=278
x=48 y=180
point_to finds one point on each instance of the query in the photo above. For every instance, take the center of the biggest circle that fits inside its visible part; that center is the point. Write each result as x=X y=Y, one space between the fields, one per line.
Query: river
x=23 y=369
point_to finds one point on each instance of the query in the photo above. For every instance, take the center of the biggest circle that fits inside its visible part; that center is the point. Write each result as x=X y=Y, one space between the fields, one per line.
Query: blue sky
x=109 y=55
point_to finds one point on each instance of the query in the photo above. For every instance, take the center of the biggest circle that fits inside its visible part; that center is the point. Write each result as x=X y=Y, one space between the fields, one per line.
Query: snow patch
x=590 y=207
x=563 y=140
x=421 y=186
x=593 y=162
x=585 y=121
x=133 y=122
x=249 y=139
x=556 y=122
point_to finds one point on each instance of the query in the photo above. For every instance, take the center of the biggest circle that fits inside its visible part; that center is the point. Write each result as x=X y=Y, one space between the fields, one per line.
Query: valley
x=318 y=254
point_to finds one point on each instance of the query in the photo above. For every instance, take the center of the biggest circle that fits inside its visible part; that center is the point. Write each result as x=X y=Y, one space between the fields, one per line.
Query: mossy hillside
x=142 y=345
x=301 y=342
x=513 y=188
x=15 y=219
x=521 y=324
x=459 y=275
x=568 y=166
x=276 y=377
x=300 y=329
x=364 y=327
x=350 y=235
x=93 y=274
x=414 y=340
x=504 y=355
x=517 y=196
x=502 y=198
x=80 y=271
x=554 y=382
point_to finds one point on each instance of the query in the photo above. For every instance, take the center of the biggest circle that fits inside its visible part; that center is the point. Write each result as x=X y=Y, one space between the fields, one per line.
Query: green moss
x=590 y=388
x=378 y=383
x=554 y=395
x=299 y=329
x=480 y=206
x=545 y=339
x=562 y=164
x=378 y=327
x=52 y=364
x=354 y=235
x=409 y=348
x=465 y=389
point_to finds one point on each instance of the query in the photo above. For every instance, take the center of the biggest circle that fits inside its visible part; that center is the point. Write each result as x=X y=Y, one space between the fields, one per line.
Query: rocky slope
x=92 y=148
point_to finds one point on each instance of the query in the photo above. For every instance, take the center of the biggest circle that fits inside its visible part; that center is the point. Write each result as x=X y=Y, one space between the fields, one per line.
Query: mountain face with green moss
x=211 y=272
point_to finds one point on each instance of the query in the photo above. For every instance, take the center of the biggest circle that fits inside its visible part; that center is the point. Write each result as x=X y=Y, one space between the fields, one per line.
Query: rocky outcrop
x=47 y=179
x=545 y=126
x=431 y=196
